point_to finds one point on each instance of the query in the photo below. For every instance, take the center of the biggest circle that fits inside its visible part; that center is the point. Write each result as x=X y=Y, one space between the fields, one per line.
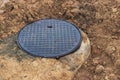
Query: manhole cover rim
x=49 y=55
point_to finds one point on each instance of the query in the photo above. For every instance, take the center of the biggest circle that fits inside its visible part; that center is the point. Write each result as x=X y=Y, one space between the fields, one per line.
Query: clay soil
x=100 y=19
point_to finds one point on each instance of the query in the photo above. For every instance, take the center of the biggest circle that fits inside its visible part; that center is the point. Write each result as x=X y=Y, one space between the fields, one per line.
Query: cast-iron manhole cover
x=49 y=38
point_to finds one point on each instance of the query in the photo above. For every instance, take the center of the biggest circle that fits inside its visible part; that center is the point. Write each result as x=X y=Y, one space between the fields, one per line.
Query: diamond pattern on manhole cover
x=49 y=38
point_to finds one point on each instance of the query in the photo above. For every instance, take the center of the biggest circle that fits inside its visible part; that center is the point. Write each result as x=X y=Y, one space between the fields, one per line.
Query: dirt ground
x=100 y=19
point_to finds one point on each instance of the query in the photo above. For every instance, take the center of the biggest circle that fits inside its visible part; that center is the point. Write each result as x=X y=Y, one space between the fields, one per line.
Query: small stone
x=75 y=10
x=84 y=26
x=35 y=63
x=114 y=10
x=110 y=49
x=115 y=37
x=16 y=7
x=96 y=61
x=95 y=50
x=112 y=77
x=99 y=69
x=95 y=77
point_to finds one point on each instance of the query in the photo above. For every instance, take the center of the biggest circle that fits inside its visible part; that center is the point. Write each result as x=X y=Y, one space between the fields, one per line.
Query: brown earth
x=100 y=19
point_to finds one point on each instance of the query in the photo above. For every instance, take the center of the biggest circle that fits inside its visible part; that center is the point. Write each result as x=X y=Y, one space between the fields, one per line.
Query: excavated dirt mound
x=100 y=19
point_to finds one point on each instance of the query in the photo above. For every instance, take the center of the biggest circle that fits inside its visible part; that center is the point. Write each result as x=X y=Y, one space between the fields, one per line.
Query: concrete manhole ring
x=63 y=68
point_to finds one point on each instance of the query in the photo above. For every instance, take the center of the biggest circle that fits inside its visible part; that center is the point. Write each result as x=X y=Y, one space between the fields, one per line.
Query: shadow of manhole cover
x=49 y=38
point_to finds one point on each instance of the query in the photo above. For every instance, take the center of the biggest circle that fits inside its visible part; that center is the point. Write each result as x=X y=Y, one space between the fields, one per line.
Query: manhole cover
x=49 y=38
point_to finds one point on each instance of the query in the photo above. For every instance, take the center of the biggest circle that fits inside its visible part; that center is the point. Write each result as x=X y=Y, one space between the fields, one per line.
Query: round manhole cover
x=49 y=38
